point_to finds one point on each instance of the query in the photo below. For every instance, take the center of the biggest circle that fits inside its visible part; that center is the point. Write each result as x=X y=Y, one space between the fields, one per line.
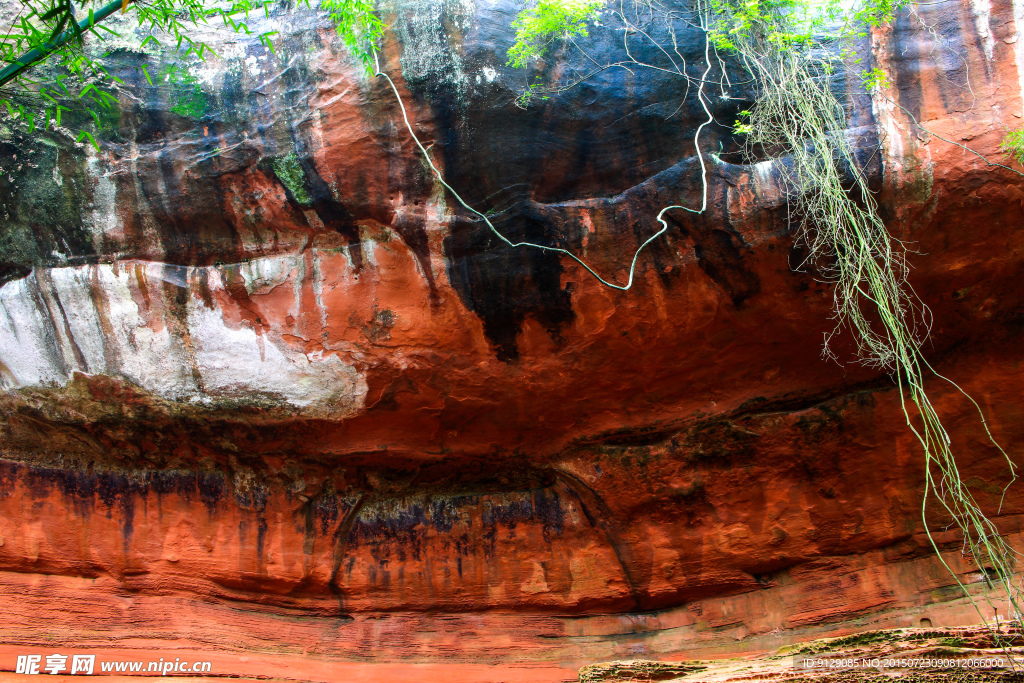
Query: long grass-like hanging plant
x=797 y=115
x=794 y=49
x=847 y=242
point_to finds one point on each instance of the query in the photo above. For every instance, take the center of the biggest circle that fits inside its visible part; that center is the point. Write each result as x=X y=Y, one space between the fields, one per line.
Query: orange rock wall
x=446 y=455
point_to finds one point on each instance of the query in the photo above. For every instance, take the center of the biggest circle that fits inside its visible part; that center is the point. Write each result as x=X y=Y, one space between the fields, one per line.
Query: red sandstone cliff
x=271 y=400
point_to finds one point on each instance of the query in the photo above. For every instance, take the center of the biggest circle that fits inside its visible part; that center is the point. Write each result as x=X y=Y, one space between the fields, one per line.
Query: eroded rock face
x=253 y=354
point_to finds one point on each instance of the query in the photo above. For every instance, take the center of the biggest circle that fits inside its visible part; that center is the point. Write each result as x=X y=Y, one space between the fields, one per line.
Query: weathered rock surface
x=269 y=393
x=915 y=654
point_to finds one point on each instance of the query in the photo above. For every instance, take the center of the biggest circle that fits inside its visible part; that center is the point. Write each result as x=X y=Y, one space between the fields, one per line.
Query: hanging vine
x=781 y=44
x=797 y=116
x=849 y=245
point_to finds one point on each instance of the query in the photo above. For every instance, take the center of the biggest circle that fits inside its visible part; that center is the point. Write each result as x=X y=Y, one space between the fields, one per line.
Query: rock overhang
x=269 y=320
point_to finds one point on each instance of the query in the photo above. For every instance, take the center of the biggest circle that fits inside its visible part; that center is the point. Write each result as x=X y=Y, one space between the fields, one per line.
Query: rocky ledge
x=271 y=396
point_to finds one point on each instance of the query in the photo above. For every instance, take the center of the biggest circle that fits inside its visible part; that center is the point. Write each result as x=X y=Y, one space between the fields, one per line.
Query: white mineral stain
x=121 y=320
x=982 y=10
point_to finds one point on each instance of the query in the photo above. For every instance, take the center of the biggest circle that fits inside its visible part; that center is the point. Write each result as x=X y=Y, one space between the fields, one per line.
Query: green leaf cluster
x=795 y=24
x=360 y=28
x=1013 y=144
x=78 y=77
x=802 y=26
x=536 y=28
x=875 y=79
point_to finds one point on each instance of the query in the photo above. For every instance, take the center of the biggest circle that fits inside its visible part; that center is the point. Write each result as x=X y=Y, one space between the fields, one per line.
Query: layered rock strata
x=262 y=374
